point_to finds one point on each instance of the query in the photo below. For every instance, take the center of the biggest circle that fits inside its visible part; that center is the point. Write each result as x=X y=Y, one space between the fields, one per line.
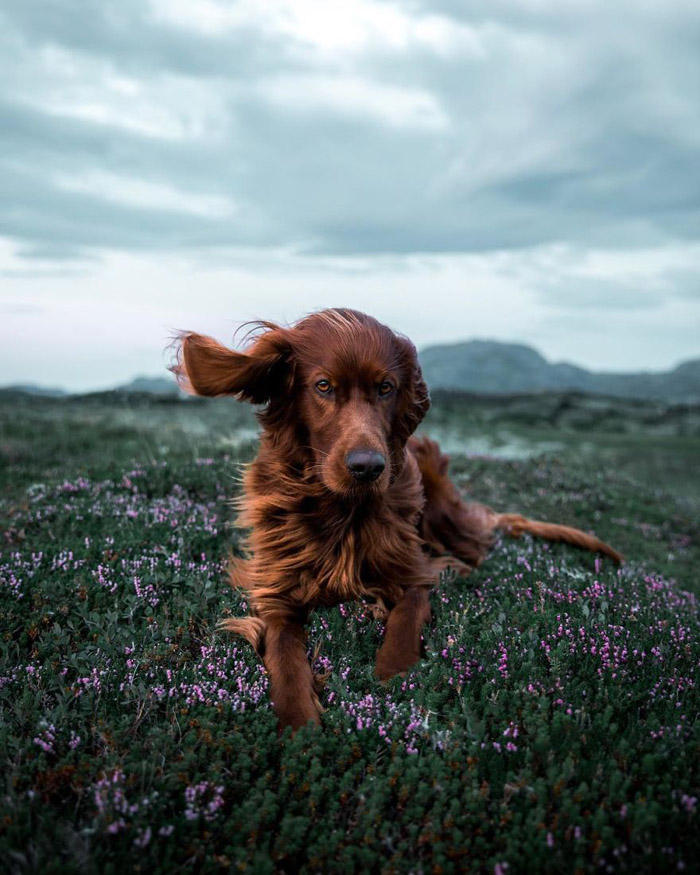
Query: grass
x=551 y=727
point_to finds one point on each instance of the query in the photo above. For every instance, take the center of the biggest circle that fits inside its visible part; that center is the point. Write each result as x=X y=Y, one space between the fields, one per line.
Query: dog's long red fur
x=335 y=384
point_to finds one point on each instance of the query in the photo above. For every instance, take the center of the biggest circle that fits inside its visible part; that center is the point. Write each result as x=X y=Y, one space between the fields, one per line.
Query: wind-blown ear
x=206 y=367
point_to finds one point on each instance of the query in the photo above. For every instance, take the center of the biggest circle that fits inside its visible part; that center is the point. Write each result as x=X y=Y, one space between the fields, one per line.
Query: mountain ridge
x=495 y=367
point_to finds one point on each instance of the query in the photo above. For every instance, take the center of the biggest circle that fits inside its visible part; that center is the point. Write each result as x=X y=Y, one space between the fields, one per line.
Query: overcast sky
x=513 y=170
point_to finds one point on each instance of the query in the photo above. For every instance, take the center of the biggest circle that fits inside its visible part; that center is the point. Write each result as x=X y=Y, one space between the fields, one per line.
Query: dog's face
x=348 y=388
x=351 y=380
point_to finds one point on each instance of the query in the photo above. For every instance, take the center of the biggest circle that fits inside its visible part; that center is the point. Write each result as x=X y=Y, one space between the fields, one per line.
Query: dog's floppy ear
x=415 y=401
x=206 y=367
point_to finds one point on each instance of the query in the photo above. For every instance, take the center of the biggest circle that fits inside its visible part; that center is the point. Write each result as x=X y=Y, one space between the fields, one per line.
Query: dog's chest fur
x=318 y=549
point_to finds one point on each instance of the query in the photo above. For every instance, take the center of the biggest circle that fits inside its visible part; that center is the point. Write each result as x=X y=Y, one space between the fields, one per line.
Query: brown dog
x=341 y=501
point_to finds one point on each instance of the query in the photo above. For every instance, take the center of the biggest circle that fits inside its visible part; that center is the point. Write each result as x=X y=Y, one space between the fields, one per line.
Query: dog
x=342 y=501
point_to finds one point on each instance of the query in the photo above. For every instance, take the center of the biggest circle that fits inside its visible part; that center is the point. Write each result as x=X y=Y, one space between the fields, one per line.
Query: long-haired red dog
x=341 y=501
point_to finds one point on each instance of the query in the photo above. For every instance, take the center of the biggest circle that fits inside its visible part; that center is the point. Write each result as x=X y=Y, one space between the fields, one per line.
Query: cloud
x=354 y=129
x=330 y=28
x=143 y=194
x=356 y=97
x=567 y=281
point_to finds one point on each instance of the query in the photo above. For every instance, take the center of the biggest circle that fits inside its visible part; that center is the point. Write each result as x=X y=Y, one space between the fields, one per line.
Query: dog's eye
x=323 y=386
x=385 y=388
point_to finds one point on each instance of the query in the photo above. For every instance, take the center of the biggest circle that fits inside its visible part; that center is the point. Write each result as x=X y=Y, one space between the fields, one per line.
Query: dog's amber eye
x=385 y=388
x=323 y=386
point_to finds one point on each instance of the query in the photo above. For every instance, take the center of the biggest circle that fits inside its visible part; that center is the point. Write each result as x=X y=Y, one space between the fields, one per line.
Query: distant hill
x=152 y=386
x=488 y=366
x=31 y=389
x=159 y=386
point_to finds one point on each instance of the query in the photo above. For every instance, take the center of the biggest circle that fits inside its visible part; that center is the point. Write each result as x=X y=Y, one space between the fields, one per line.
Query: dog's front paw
x=386 y=681
x=319 y=682
x=391 y=665
x=379 y=611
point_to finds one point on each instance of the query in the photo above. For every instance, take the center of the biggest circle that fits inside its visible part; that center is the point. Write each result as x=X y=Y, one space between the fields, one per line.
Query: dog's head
x=340 y=386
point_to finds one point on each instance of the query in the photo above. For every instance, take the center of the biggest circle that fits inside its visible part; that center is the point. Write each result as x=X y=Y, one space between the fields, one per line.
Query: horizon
x=166 y=377
x=514 y=170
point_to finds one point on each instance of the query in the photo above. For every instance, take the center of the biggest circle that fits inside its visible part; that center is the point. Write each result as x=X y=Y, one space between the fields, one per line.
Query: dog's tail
x=514 y=525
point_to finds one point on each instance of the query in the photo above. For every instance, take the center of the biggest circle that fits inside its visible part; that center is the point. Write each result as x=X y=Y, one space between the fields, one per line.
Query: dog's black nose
x=365 y=465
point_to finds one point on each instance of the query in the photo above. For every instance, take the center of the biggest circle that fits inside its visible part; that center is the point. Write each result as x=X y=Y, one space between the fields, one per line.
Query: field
x=551 y=727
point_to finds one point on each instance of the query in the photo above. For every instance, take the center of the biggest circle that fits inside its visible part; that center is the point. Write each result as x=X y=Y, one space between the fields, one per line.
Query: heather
x=551 y=727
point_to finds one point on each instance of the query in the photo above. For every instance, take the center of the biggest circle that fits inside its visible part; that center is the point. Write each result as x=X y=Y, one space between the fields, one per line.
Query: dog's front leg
x=291 y=679
x=401 y=647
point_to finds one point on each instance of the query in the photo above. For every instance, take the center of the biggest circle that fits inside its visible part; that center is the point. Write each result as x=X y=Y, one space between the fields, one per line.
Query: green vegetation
x=551 y=727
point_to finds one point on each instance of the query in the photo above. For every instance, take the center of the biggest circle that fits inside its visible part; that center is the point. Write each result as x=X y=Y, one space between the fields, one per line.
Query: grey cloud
x=128 y=36
x=636 y=177
x=592 y=293
x=682 y=283
x=48 y=219
x=61 y=222
x=605 y=156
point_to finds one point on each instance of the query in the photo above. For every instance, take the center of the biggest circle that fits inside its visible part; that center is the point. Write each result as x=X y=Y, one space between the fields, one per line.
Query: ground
x=552 y=725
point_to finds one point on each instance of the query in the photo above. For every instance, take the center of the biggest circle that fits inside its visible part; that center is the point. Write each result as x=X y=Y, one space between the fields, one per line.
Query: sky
x=522 y=171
